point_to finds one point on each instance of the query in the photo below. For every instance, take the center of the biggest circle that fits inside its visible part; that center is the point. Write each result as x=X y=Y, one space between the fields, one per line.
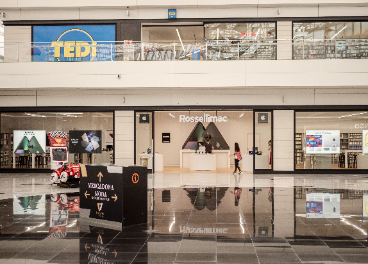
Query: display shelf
x=298 y=148
x=6 y=141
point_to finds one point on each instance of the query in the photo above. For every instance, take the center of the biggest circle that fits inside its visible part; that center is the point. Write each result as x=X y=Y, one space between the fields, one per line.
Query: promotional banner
x=57 y=138
x=85 y=141
x=73 y=43
x=365 y=205
x=365 y=141
x=322 y=205
x=29 y=141
x=59 y=154
x=322 y=142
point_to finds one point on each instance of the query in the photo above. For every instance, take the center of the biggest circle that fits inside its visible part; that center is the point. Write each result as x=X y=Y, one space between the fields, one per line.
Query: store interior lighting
x=177 y=31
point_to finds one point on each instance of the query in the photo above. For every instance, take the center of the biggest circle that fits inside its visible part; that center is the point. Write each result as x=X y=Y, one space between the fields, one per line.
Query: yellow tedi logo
x=75 y=49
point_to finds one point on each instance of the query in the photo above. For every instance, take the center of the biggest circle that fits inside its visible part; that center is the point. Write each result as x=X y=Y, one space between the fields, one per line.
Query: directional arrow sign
x=86 y=247
x=116 y=253
x=86 y=194
x=115 y=197
x=99 y=176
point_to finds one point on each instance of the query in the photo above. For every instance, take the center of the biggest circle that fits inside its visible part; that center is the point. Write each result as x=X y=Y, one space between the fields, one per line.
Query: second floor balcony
x=178 y=51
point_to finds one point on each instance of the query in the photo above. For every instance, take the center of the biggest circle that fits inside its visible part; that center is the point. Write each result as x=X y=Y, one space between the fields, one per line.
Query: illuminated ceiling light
x=342 y=116
x=241 y=115
x=177 y=31
x=338 y=32
x=339 y=117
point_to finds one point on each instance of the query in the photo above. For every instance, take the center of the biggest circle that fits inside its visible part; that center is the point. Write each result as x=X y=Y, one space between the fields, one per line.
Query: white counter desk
x=222 y=158
x=202 y=162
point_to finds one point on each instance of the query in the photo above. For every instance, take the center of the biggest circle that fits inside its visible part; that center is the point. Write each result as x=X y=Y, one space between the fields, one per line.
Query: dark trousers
x=237 y=165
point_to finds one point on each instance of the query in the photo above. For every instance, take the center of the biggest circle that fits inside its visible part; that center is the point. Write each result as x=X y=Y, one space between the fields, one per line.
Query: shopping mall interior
x=190 y=132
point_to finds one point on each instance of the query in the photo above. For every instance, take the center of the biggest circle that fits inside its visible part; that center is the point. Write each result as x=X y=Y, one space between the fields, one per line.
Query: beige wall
x=18 y=43
x=145 y=9
x=306 y=75
x=235 y=130
x=124 y=138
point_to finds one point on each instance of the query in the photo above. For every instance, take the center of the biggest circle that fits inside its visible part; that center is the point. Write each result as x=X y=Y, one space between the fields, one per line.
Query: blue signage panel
x=172 y=13
x=73 y=43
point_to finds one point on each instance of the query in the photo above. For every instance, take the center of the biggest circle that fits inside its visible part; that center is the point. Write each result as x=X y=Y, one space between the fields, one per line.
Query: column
x=124 y=138
x=283 y=140
x=284 y=40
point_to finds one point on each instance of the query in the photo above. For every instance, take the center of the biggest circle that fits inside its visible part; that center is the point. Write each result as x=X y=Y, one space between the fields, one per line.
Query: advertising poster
x=85 y=141
x=322 y=205
x=29 y=141
x=365 y=205
x=57 y=138
x=322 y=141
x=365 y=141
x=73 y=43
x=59 y=154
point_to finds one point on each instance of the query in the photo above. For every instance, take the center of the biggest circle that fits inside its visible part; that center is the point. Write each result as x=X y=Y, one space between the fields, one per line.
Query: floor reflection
x=196 y=219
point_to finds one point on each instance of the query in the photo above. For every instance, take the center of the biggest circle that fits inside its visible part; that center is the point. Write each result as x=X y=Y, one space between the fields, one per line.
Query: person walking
x=237 y=157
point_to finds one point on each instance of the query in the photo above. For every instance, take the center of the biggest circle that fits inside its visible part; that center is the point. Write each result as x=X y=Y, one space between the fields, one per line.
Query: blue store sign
x=74 y=43
x=172 y=13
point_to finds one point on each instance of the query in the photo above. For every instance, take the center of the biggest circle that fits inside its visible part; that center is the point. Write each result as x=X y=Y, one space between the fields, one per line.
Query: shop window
x=240 y=31
x=263 y=140
x=331 y=140
x=44 y=140
x=330 y=30
x=181 y=137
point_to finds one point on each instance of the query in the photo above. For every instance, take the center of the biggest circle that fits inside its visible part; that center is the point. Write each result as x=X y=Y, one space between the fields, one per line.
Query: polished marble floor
x=193 y=218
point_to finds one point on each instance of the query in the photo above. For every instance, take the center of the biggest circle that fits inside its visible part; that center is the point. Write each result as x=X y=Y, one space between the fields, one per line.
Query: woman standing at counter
x=237 y=156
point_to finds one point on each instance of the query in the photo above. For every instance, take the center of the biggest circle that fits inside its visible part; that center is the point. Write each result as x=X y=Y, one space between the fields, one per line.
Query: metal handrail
x=264 y=49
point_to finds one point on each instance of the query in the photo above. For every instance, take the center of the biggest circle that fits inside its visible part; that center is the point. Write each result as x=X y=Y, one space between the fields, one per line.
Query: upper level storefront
x=207 y=41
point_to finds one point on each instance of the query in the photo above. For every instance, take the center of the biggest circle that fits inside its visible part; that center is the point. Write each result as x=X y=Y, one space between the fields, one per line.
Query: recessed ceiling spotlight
x=339 y=117
x=342 y=116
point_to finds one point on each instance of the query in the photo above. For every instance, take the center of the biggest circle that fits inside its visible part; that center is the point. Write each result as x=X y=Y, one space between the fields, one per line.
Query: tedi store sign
x=73 y=43
x=204 y=118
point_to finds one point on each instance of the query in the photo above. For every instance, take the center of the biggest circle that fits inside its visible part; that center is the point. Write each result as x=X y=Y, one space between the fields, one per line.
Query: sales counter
x=202 y=162
x=221 y=156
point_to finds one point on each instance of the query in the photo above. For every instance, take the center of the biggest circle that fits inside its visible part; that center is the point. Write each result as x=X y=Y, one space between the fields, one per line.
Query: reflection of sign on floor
x=203 y=230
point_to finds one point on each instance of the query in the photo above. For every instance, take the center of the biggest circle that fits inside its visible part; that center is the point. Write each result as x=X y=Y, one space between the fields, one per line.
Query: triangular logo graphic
x=99 y=206
x=195 y=136
x=34 y=146
x=217 y=140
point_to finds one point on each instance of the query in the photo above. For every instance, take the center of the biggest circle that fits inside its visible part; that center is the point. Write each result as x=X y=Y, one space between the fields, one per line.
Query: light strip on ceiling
x=177 y=31
x=338 y=32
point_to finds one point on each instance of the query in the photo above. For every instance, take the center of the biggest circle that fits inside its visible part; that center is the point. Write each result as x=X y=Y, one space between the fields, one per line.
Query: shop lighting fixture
x=338 y=32
x=171 y=115
x=339 y=117
x=241 y=115
x=177 y=31
x=342 y=116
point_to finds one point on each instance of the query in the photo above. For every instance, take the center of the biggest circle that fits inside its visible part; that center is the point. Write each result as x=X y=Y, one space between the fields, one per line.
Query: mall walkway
x=193 y=218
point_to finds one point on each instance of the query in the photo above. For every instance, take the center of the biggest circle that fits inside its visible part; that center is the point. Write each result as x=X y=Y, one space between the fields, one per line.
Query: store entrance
x=202 y=141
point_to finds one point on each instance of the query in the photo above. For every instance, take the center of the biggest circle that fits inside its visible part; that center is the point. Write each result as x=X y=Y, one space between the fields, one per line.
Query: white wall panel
x=283 y=135
x=50 y=14
x=288 y=11
x=18 y=43
x=140 y=74
x=124 y=137
x=344 y=10
x=284 y=36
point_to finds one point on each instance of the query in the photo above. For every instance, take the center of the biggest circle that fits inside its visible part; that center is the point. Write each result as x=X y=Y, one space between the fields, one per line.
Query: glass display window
x=331 y=140
x=27 y=138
